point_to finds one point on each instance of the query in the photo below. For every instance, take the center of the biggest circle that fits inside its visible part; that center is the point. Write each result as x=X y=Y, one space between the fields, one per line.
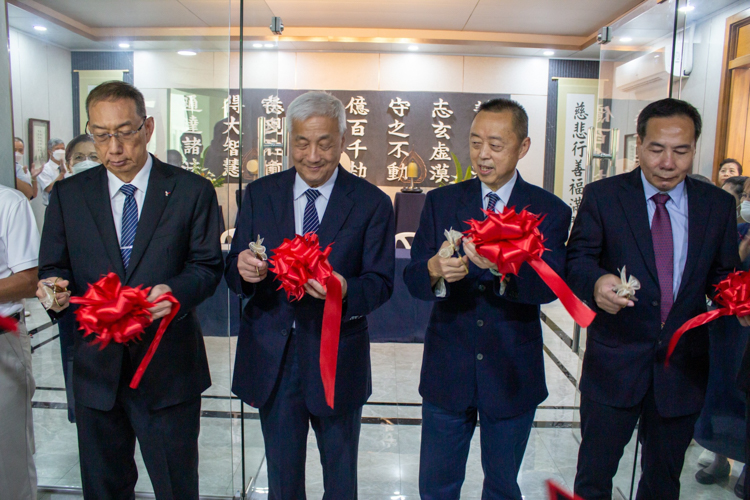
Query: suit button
x=655 y=303
x=480 y=322
x=482 y=288
x=284 y=332
x=480 y=357
x=660 y=341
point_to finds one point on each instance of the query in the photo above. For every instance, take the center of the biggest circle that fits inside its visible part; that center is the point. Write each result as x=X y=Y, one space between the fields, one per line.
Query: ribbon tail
x=157 y=338
x=699 y=320
x=329 y=339
x=10 y=325
x=578 y=310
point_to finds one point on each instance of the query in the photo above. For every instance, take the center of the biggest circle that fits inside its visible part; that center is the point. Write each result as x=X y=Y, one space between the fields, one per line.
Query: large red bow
x=556 y=492
x=733 y=295
x=116 y=313
x=8 y=325
x=297 y=261
x=509 y=239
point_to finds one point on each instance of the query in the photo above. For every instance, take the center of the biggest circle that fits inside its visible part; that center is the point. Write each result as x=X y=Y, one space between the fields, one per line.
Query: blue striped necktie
x=491 y=204
x=129 y=223
x=311 y=221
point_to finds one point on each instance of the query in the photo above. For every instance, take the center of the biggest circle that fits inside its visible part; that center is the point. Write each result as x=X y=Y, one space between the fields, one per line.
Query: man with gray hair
x=54 y=170
x=277 y=368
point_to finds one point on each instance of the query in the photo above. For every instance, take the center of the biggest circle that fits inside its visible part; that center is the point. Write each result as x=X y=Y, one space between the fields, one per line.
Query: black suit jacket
x=359 y=222
x=625 y=352
x=176 y=243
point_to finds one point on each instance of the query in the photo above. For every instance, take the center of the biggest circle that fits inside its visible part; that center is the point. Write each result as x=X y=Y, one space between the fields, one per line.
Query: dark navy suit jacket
x=359 y=222
x=625 y=352
x=475 y=319
x=177 y=243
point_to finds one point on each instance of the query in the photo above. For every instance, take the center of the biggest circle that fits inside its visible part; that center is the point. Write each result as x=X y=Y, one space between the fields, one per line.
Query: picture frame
x=38 y=139
x=630 y=153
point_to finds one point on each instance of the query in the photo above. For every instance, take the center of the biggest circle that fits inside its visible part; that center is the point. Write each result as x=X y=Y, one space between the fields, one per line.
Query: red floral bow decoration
x=733 y=295
x=511 y=238
x=556 y=492
x=116 y=313
x=297 y=261
x=8 y=325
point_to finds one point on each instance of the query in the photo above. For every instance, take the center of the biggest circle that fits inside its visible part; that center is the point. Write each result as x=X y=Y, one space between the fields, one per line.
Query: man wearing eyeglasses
x=154 y=225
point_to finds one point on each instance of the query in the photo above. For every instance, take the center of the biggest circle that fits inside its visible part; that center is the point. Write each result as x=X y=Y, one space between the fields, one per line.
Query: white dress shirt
x=677 y=207
x=300 y=200
x=48 y=175
x=23 y=174
x=503 y=193
x=117 y=197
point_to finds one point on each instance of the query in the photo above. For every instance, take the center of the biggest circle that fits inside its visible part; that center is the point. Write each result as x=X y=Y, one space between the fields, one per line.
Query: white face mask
x=59 y=154
x=19 y=157
x=745 y=211
x=83 y=165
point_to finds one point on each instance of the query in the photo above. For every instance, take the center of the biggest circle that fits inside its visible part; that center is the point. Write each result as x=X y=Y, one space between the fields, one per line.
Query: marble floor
x=390 y=437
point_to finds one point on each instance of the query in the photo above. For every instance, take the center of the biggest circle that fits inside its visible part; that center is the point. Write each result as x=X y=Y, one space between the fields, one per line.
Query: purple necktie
x=661 y=234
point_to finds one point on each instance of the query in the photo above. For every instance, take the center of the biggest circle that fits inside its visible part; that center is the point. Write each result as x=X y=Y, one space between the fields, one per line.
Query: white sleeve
x=22 y=237
x=46 y=177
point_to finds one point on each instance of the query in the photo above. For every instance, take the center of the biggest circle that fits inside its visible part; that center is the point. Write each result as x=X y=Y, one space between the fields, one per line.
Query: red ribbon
x=8 y=325
x=116 y=313
x=733 y=295
x=509 y=239
x=297 y=261
x=556 y=492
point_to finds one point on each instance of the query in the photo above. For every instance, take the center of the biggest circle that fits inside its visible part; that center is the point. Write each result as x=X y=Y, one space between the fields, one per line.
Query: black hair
x=520 y=118
x=666 y=108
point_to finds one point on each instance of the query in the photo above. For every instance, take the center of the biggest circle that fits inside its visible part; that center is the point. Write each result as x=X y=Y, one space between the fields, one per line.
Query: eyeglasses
x=122 y=136
x=81 y=157
x=745 y=196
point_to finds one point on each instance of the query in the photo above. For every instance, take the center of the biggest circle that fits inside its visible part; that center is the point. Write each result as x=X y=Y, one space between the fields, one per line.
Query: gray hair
x=54 y=142
x=317 y=103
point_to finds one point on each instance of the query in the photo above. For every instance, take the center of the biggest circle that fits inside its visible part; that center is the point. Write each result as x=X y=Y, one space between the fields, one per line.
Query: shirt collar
x=504 y=191
x=140 y=181
x=325 y=190
x=675 y=194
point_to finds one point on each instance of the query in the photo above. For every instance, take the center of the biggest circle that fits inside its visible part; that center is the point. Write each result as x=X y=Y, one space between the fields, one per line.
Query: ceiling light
x=186 y=53
x=687 y=8
x=40 y=28
x=549 y=52
x=268 y=45
x=258 y=45
x=626 y=39
x=413 y=47
x=124 y=45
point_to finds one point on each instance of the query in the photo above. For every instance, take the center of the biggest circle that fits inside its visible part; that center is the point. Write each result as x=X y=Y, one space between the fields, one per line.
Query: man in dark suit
x=154 y=225
x=483 y=348
x=277 y=365
x=678 y=236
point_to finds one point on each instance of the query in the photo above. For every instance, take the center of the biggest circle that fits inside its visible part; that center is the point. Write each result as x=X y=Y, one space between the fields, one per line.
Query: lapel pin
x=167 y=193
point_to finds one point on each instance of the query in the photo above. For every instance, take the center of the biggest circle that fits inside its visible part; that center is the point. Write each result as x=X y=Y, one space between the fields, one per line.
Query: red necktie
x=661 y=235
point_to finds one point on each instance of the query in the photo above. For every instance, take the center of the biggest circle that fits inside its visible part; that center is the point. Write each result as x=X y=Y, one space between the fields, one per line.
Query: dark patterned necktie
x=310 y=221
x=129 y=222
x=661 y=235
x=492 y=203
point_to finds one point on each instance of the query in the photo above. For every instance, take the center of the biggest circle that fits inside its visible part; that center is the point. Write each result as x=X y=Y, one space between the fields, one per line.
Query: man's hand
x=744 y=320
x=318 y=291
x=164 y=307
x=451 y=269
x=251 y=268
x=605 y=296
x=478 y=260
x=36 y=170
x=58 y=284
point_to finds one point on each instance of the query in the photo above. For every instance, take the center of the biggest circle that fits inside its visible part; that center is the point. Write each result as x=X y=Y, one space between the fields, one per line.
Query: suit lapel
x=519 y=197
x=699 y=213
x=282 y=205
x=633 y=202
x=471 y=203
x=97 y=198
x=161 y=181
x=339 y=206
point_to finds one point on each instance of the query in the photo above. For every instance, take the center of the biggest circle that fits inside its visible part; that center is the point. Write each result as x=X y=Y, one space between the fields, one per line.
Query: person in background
x=25 y=176
x=81 y=155
x=19 y=250
x=728 y=168
x=54 y=170
x=720 y=427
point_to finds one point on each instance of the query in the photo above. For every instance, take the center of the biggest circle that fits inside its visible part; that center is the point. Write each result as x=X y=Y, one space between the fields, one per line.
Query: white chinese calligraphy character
x=272 y=104
x=476 y=106
x=399 y=107
x=191 y=103
x=273 y=166
x=396 y=172
x=231 y=146
x=357 y=106
x=356 y=147
x=397 y=151
x=359 y=171
x=441 y=109
x=193 y=124
x=440 y=152
x=439 y=173
x=441 y=130
x=192 y=145
x=272 y=126
x=231 y=103
x=357 y=128
x=273 y=152
x=603 y=114
x=231 y=167
x=232 y=125
x=396 y=126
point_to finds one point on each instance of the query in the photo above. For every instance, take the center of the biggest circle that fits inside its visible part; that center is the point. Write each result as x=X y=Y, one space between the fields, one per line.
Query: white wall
x=524 y=78
x=42 y=88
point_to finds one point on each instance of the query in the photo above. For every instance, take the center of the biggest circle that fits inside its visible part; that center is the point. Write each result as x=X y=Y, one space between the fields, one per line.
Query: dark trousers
x=285 y=421
x=446 y=438
x=605 y=432
x=168 y=439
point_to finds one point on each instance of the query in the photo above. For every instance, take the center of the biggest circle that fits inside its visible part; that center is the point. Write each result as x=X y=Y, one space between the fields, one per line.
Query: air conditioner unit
x=643 y=71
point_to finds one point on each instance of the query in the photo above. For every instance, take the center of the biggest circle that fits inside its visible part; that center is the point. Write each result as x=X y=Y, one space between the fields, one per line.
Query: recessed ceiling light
x=687 y=8
x=626 y=39
x=40 y=28
x=549 y=52
x=268 y=45
x=258 y=45
x=124 y=45
x=186 y=53
x=413 y=47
